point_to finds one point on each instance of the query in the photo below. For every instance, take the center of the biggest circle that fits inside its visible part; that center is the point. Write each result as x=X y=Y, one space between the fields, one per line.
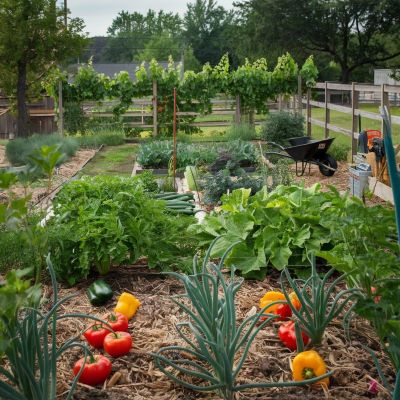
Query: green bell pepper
x=99 y=292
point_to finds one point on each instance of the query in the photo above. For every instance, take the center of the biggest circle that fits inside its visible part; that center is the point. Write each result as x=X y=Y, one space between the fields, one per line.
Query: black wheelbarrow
x=308 y=151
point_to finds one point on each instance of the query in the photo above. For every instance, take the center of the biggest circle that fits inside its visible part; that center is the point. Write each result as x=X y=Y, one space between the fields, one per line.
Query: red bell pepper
x=96 y=370
x=287 y=335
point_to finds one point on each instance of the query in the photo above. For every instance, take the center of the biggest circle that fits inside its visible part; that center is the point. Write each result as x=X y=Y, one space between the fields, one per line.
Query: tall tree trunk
x=345 y=74
x=22 y=118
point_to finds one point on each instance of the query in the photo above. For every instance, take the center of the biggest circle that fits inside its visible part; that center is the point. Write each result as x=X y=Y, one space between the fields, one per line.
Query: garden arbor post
x=60 y=109
x=327 y=110
x=155 y=126
x=354 y=119
x=308 y=112
x=237 y=111
x=299 y=95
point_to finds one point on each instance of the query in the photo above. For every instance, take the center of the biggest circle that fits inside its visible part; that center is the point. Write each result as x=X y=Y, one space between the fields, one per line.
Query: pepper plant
x=216 y=345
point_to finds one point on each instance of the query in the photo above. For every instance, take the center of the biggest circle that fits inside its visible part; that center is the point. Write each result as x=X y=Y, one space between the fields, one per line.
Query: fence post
x=384 y=102
x=308 y=112
x=327 y=110
x=60 y=109
x=155 y=125
x=237 y=111
x=354 y=119
x=300 y=95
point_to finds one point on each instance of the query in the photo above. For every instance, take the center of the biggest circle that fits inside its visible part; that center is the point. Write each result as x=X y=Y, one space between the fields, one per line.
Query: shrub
x=281 y=126
x=19 y=150
x=96 y=140
x=339 y=151
x=241 y=131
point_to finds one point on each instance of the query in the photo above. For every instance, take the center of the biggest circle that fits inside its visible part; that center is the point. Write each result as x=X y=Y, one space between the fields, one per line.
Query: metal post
x=354 y=118
x=384 y=102
x=155 y=128
x=174 y=142
x=308 y=112
x=60 y=109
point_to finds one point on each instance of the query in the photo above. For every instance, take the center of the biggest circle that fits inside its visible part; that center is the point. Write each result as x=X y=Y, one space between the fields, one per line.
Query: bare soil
x=268 y=361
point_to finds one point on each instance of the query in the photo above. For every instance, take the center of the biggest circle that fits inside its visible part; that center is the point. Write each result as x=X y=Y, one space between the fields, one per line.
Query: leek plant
x=30 y=349
x=216 y=345
x=319 y=303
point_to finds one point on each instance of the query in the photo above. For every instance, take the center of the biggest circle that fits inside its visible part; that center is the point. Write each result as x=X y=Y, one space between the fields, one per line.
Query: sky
x=98 y=14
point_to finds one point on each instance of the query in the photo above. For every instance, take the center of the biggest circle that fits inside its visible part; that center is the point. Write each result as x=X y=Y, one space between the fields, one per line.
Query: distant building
x=382 y=77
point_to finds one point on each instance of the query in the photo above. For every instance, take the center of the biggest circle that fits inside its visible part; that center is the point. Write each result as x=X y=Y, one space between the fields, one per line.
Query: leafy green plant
x=103 y=221
x=18 y=151
x=30 y=341
x=216 y=345
x=321 y=301
x=222 y=182
x=281 y=126
x=46 y=159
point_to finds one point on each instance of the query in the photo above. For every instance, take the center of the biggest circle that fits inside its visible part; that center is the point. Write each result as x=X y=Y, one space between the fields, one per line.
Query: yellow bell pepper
x=127 y=305
x=309 y=364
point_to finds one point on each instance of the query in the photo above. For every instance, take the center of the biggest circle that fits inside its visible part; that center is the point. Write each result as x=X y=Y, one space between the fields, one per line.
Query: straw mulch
x=136 y=376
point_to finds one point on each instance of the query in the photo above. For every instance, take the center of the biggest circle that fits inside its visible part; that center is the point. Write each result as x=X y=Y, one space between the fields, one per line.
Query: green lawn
x=344 y=121
x=113 y=160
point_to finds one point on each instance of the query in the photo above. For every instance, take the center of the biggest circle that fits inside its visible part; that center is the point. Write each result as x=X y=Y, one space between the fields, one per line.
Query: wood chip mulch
x=136 y=377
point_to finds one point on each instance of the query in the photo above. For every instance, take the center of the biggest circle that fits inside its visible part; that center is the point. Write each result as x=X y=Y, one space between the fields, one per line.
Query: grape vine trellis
x=253 y=83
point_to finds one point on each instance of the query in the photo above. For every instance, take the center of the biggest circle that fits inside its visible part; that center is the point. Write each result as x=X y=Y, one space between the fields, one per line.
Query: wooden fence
x=353 y=90
x=41 y=117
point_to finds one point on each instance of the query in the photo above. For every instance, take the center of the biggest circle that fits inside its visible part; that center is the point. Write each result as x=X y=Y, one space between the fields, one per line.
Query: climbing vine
x=253 y=83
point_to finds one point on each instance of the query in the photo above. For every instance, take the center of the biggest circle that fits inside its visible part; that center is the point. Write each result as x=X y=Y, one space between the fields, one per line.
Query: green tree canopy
x=353 y=33
x=162 y=47
x=207 y=28
x=130 y=33
x=33 y=39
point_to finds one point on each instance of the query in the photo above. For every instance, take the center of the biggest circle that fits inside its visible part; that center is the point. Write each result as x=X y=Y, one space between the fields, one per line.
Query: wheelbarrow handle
x=276 y=145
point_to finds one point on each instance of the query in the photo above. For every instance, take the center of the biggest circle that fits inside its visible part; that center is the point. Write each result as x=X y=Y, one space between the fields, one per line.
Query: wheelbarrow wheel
x=329 y=162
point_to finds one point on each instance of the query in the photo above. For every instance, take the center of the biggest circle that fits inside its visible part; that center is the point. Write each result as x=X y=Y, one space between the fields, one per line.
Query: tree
x=353 y=33
x=162 y=47
x=206 y=26
x=33 y=39
x=129 y=33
